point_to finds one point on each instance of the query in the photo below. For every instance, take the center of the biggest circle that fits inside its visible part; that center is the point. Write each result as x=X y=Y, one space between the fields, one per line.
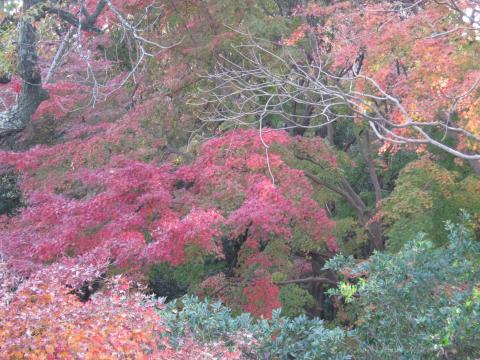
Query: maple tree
x=134 y=214
x=134 y=222
x=268 y=220
x=372 y=73
x=377 y=81
x=45 y=319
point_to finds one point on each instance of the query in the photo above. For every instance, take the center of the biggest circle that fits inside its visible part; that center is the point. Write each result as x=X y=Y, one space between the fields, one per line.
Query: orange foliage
x=424 y=55
x=46 y=320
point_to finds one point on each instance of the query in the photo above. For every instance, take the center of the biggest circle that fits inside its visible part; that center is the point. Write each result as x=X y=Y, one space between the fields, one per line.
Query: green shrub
x=173 y=282
x=278 y=338
x=163 y=282
x=295 y=300
x=421 y=303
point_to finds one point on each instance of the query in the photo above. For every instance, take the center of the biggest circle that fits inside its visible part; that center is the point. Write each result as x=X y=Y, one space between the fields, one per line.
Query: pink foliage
x=198 y=228
x=96 y=207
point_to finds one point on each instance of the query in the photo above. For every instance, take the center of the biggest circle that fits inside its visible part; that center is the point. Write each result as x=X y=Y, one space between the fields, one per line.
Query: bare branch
x=72 y=43
x=307 y=280
x=262 y=83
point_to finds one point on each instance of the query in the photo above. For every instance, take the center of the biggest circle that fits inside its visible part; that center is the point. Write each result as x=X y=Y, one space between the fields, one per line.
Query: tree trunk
x=374 y=234
x=330 y=133
x=344 y=189
x=17 y=118
x=475 y=164
x=365 y=150
x=305 y=121
x=373 y=227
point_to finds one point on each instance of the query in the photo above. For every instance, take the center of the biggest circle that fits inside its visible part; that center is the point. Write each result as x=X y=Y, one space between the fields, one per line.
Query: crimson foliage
x=131 y=214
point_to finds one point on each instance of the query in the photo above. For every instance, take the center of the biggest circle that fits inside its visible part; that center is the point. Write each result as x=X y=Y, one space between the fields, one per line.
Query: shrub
x=423 y=302
x=276 y=338
x=45 y=319
x=295 y=300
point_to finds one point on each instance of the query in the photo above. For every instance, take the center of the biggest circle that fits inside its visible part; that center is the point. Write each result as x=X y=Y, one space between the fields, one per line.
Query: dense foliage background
x=269 y=179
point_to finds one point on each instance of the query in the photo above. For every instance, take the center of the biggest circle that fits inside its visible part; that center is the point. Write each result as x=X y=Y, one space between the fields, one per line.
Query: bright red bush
x=262 y=297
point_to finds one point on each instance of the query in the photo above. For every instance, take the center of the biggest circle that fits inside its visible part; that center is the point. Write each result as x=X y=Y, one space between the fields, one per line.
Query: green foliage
x=44 y=131
x=204 y=320
x=278 y=338
x=163 y=282
x=7 y=50
x=426 y=195
x=421 y=303
x=347 y=291
x=268 y=27
x=295 y=300
x=394 y=163
x=300 y=338
x=350 y=235
x=173 y=282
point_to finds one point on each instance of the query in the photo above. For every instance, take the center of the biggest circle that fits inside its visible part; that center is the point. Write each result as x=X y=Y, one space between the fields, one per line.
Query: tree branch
x=307 y=280
x=240 y=88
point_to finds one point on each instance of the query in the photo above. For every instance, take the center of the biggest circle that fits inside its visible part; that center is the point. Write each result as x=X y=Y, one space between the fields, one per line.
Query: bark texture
x=17 y=118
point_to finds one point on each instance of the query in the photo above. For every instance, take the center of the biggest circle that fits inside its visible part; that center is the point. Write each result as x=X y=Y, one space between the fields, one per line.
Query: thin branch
x=307 y=280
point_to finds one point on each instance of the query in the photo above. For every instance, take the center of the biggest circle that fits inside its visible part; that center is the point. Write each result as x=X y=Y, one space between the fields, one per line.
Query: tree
x=425 y=196
x=363 y=96
x=133 y=214
x=361 y=80
x=77 y=27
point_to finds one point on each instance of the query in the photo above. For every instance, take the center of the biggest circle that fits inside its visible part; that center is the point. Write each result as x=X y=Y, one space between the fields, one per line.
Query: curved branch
x=307 y=280
x=240 y=88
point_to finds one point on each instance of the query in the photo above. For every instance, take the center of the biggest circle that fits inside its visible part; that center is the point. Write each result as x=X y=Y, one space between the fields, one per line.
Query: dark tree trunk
x=366 y=152
x=318 y=288
x=305 y=121
x=374 y=234
x=374 y=228
x=17 y=118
